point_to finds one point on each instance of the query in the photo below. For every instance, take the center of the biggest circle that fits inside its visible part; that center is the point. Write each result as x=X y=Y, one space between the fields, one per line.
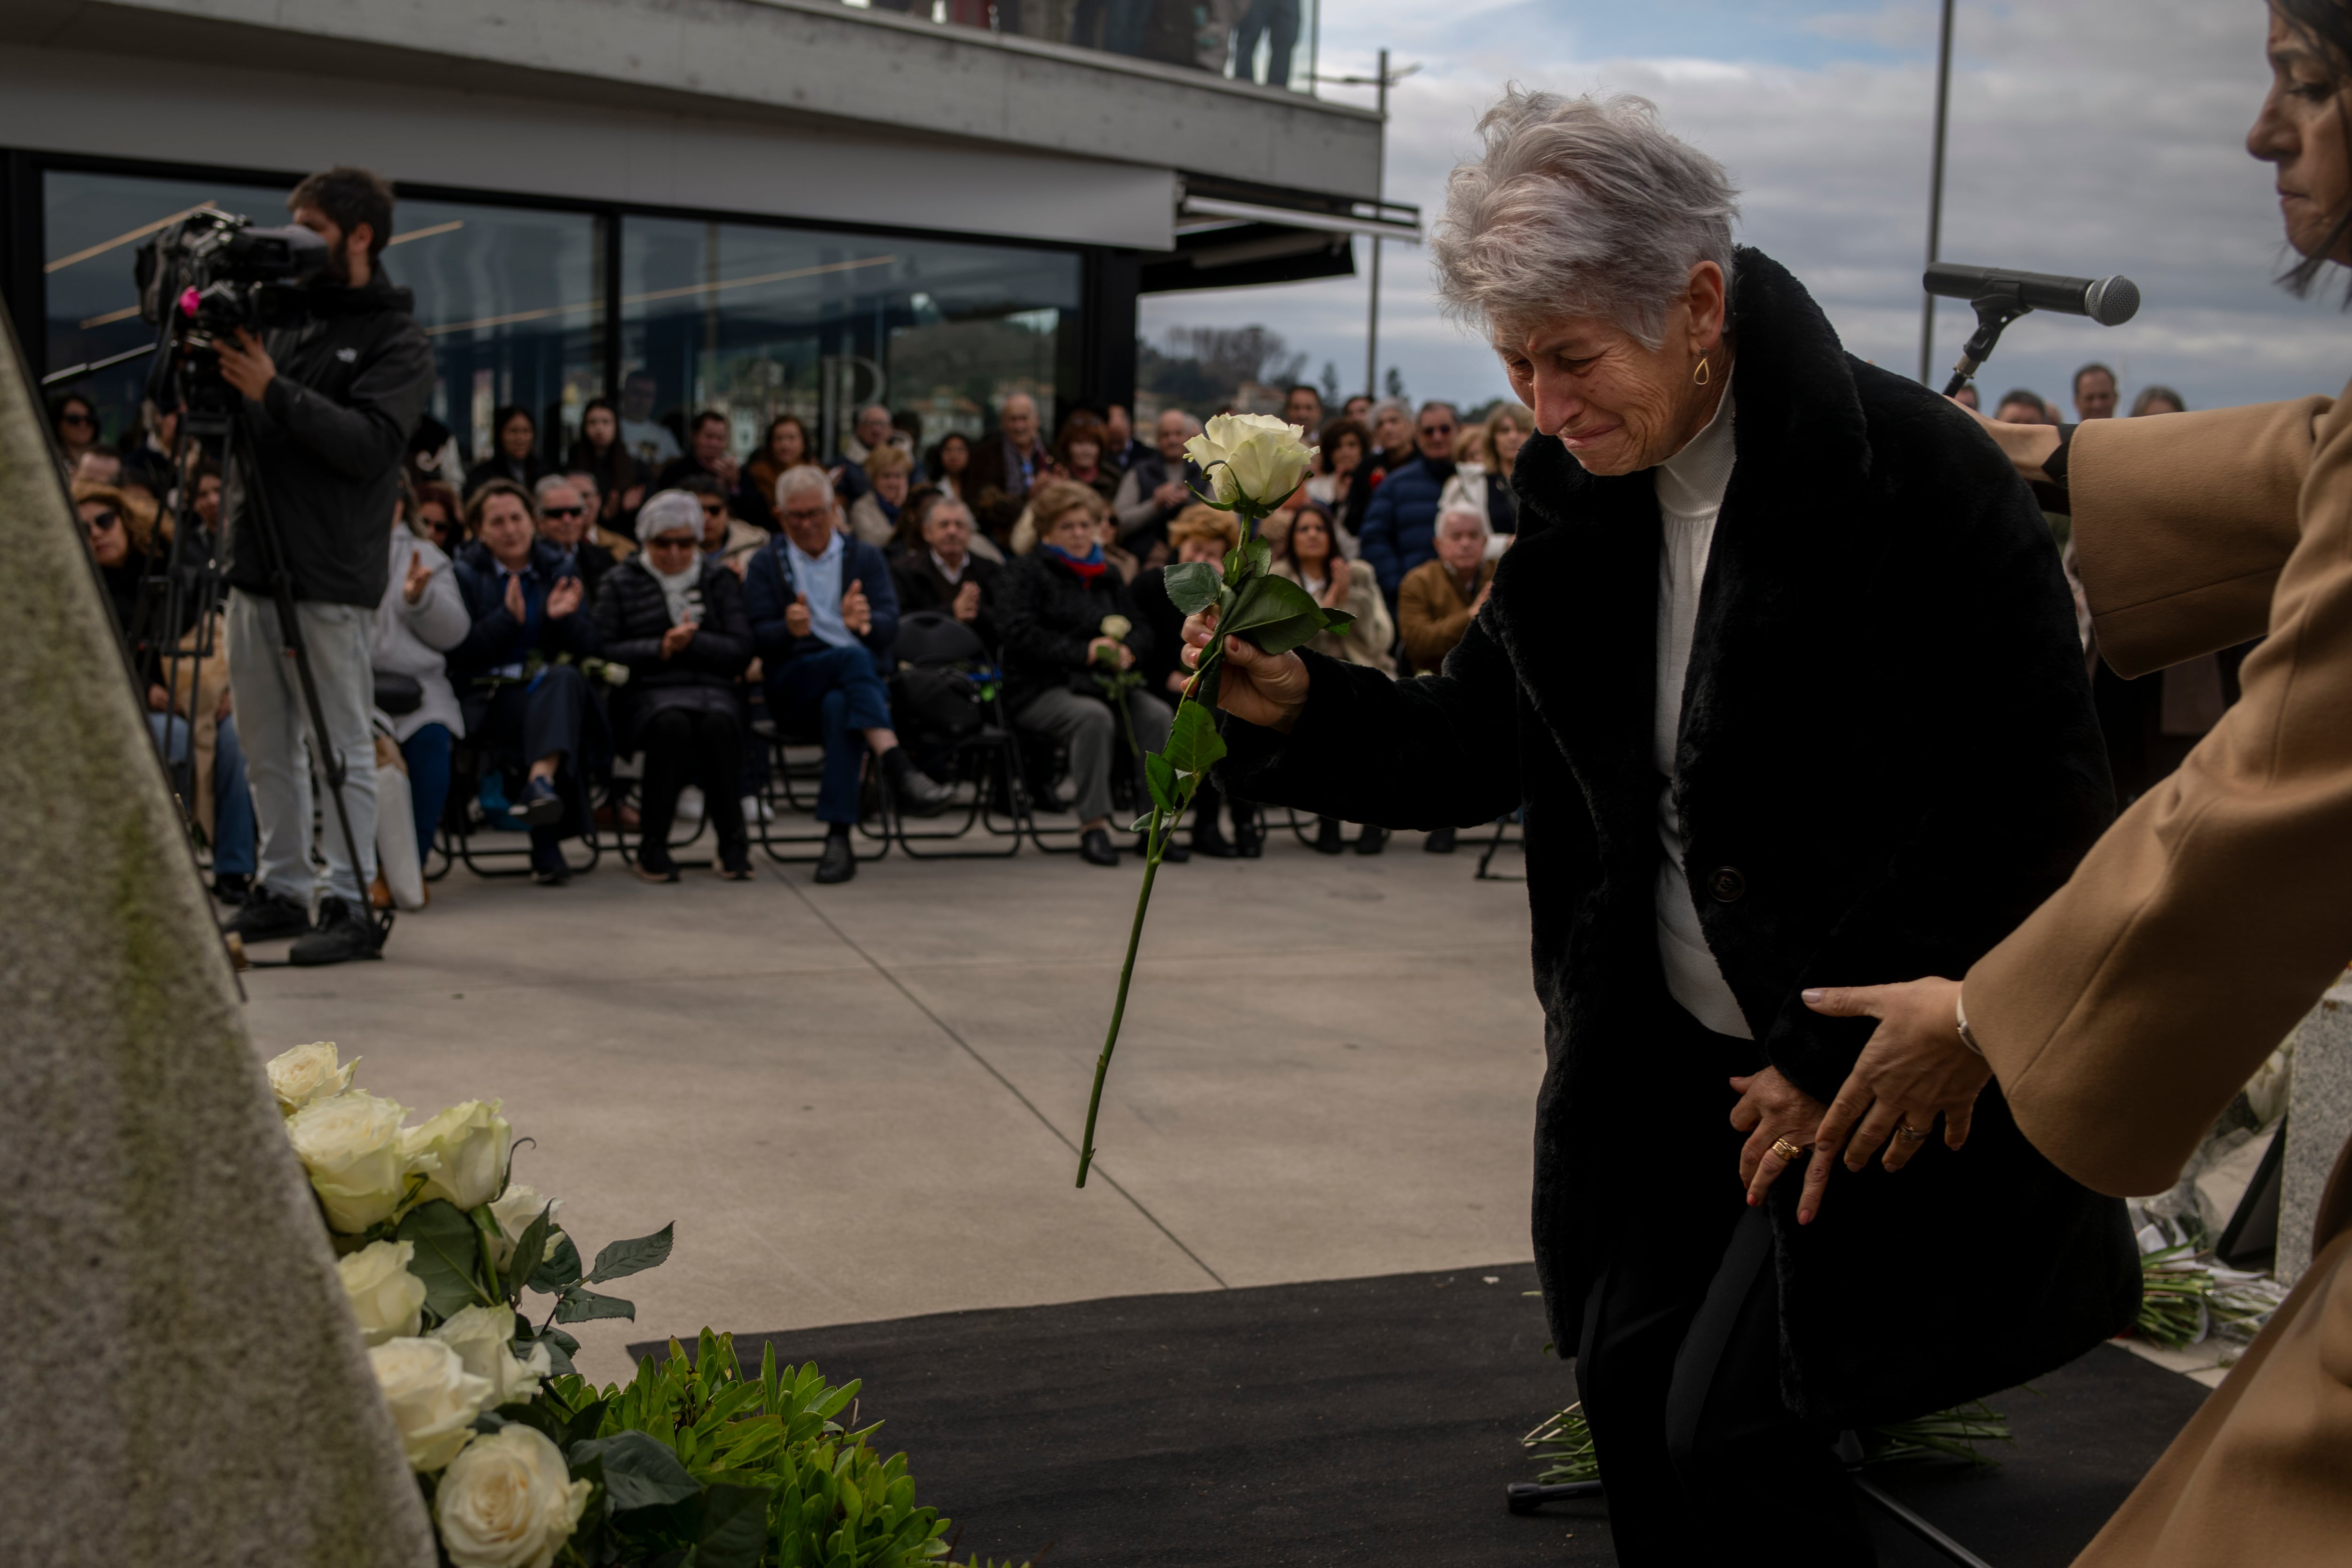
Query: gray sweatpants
x=1095 y=739
x=274 y=723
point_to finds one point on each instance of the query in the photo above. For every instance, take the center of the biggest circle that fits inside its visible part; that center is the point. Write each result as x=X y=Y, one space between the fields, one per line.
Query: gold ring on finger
x=1913 y=1134
x=1789 y=1153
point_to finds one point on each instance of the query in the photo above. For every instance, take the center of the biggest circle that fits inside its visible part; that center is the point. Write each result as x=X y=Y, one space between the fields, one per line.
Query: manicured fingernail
x=1811 y=996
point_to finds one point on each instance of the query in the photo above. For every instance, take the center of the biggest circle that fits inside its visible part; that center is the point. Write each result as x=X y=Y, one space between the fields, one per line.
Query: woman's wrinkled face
x=507 y=529
x=601 y=428
x=2301 y=128
x=1310 y=541
x=1461 y=544
x=515 y=437
x=1073 y=533
x=1205 y=548
x=892 y=487
x=1616 y=404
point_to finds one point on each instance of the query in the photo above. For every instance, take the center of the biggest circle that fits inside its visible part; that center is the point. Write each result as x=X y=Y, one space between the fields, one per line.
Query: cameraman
x=330 y=405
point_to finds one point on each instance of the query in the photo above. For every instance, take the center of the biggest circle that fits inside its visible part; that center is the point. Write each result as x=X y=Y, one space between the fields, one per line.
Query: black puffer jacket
x=329 y=435
x=631 y=616
x=1047 y=614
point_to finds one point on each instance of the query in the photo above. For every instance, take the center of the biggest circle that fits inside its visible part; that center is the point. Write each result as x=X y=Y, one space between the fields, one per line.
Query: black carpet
x=1364 y=1422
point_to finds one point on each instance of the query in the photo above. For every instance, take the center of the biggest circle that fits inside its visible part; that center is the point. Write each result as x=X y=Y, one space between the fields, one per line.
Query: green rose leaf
x=1337 y=620
x=1140 y=824
x=447 y=1254
x=1266 y=602
x=1192 y=587
x=1160 y=774
x=559 y=1269
x=528 y=1250
x=577 y=1306
x=640 y=1471
x=623 y=1258
x=734 y=1527
x=1193 y=744
x=1248 y=563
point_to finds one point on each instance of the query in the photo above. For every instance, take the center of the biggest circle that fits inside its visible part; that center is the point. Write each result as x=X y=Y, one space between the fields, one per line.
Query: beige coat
x=1368 y=640
x=2127 y=1011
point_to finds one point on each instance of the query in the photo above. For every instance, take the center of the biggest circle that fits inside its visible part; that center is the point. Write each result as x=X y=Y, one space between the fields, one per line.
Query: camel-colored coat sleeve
x=2124 y=1014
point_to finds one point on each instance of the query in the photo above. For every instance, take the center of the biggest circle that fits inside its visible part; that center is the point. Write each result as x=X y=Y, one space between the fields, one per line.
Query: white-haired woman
x=1785 y=678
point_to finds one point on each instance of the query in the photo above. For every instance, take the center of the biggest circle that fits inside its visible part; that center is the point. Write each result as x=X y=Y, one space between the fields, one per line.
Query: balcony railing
x=1271 y=42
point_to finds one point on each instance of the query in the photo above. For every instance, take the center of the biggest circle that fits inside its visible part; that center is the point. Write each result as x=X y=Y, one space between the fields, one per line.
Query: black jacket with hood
x=329 y=435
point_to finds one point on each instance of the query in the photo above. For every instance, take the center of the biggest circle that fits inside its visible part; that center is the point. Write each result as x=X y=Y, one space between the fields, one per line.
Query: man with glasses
x=563 y=515
x=1400 y=524
x=725 y=538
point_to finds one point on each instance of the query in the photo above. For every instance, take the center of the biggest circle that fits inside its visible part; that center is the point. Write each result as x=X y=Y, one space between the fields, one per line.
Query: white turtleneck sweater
x=1691 y=485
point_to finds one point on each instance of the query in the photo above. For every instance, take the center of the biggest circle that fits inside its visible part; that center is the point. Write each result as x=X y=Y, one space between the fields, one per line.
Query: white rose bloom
x=1251 y=457
x=483 y=1338
x=463 y=1152
x=386 y=1299
x=352 y=1147
x=433 y=1398
x=508 y=1501
x=307 y=1073
x=1116 y=627
x=515 y=1211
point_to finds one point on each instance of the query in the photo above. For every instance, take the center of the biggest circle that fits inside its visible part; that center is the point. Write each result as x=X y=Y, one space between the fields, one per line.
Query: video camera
x=208 y=275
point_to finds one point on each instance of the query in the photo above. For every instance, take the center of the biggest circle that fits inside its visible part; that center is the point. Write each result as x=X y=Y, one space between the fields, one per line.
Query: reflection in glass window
x=758 y=322
x=513 y=300
x=93 y=226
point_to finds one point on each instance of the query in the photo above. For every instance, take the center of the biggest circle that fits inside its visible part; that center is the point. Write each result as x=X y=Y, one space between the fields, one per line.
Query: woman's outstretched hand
x=1771 y=1108
x=1257 y=687
x=1915 y=1068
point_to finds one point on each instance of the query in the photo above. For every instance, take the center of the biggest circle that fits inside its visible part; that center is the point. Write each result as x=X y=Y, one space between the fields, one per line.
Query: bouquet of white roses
x=1252 y=462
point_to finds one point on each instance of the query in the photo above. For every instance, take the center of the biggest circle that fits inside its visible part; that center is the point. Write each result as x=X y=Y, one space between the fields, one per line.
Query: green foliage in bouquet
x=1564 y=1442
x=2184 y=1299
x=1253 y=462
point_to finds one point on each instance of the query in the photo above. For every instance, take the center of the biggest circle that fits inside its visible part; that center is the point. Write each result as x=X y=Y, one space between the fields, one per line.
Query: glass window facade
x=752 y=319
x=757 y=323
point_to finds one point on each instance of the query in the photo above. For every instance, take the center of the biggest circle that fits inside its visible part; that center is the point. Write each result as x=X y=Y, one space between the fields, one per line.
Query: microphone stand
x=1994 y=313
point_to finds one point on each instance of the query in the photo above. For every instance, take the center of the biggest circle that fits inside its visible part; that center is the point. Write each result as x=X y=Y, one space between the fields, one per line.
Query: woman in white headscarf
x=675 y=619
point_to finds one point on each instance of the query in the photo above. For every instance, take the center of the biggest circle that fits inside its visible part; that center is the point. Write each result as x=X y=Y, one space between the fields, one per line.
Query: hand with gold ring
x=1780 y=1121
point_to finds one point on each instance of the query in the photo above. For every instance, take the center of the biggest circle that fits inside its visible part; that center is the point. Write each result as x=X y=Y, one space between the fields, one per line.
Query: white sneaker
x=756 y=810
x=689 y=804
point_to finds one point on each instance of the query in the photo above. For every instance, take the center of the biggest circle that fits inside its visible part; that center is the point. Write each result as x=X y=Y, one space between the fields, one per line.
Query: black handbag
x=397 y=694
x=939 y=707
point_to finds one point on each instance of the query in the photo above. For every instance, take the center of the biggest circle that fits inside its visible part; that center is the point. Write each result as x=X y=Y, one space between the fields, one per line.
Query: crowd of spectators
x=639 y=602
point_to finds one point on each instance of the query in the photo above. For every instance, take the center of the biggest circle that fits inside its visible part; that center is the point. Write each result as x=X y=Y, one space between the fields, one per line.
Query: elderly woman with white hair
x=1784 y=676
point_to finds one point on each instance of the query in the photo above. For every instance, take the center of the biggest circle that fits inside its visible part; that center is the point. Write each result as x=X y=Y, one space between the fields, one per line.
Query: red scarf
x=1086 y=571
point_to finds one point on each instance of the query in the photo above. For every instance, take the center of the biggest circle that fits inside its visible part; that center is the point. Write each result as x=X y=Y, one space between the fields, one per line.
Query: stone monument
x=2318 y=1122
x=183 y=1382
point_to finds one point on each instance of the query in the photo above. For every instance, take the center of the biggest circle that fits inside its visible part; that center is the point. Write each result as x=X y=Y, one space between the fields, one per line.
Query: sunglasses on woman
x=104 y=521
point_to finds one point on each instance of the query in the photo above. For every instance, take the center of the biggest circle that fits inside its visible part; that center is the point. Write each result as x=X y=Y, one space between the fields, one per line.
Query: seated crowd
x=640 y=602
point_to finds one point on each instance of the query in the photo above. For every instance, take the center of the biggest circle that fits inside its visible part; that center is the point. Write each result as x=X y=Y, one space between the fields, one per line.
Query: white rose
x=386 y=1299
x=1251 y=458
x=433 y=1398
x=483 y=1338
x=515 y=1211
x=307 y=1073
x=508 y=1501
x=351 y=1146
x=615 y=673
x=463 y=1152
x=1116 y=627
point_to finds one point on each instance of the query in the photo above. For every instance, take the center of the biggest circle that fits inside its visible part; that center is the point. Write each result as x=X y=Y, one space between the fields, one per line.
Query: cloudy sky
x=2087 y=137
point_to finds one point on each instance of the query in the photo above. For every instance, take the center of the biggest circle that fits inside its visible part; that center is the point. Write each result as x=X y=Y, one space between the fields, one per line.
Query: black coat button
x=1726 y=884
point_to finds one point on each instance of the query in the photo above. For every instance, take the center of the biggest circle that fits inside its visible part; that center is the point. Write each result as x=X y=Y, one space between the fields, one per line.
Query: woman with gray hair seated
x=1784 y=675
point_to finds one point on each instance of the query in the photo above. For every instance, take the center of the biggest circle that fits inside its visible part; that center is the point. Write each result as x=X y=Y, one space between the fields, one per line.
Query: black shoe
x=1207 y=840
x=1094 y=847
x=735 y=859
x=1249 y=834
x=342 y=934
x=839 y=862
x=1327 y=836
x=1373 y=840
x=653 y=870
x=1172 y=854
x=232 y=888
x=540 y=806
x=267 y=916
x=917 y=792
x=549 y=869
x=1439 y=842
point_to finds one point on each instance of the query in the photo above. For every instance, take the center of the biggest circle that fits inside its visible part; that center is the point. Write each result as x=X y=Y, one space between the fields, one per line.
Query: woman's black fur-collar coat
x=1887 y=759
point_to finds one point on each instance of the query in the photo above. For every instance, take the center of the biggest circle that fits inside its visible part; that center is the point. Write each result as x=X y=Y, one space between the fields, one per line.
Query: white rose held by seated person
x=1251 y=457
x=308 y=1074
x=515 y=1210
x=433 y=1398
x=352 y=1147
x=386 y=1299
x=483 y=1338
x=463 y=1152
x=508 y=1501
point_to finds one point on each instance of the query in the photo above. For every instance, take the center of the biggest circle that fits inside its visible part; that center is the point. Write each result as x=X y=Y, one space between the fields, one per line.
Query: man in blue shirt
x=823 y=614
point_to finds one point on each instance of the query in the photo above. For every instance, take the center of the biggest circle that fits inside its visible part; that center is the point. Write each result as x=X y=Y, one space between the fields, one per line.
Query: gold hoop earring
x=1703 y=374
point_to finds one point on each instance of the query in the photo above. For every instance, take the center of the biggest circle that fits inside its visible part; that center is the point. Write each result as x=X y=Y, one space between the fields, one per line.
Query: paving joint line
x=989 y=1067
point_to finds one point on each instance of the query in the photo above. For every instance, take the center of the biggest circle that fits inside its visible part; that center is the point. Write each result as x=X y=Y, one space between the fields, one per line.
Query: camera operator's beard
x=338 y=264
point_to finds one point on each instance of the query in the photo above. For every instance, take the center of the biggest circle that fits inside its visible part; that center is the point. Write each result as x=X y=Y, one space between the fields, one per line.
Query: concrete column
x=183 y=1382
x=2319 y=1120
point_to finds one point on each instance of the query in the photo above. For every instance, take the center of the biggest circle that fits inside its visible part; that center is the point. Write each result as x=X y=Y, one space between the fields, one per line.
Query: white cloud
x=2101 y=136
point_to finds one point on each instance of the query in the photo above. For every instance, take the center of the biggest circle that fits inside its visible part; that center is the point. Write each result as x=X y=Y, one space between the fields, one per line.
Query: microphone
x=2110 y=302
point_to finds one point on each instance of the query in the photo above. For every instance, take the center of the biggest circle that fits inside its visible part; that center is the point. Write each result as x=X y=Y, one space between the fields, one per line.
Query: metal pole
x=1935 y=195
x=1379 y=191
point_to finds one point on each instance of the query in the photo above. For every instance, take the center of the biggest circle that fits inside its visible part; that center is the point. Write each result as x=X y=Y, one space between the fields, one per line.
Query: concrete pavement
x=863 y=1101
